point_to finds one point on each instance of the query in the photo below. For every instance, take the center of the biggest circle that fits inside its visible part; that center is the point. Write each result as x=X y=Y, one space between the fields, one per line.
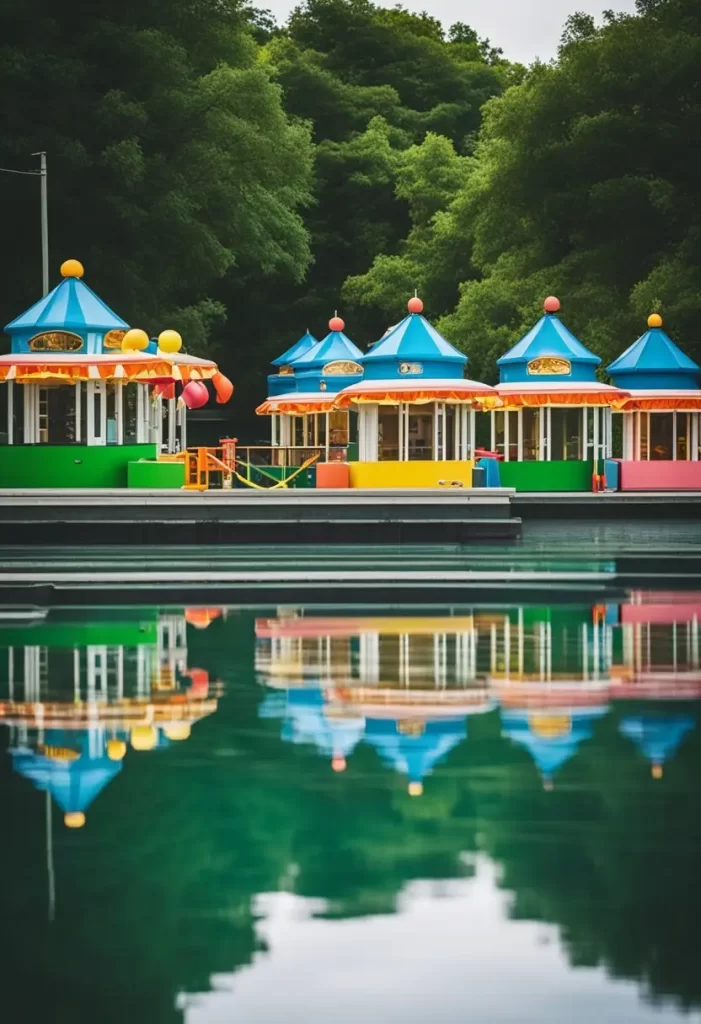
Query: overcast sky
x=525 y=29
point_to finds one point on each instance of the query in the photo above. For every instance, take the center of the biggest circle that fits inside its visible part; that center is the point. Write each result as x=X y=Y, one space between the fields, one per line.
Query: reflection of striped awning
x=310 y=626
x=35 y=367
x=417 y=392
x=297 y=403
x=533 y=394
x=661 y=400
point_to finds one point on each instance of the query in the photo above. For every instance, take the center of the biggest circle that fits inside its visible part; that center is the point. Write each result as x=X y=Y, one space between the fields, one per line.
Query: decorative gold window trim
x=113 y=339
x=411 y=368
x=551 y=366
x=56 y=341
x=342 y=368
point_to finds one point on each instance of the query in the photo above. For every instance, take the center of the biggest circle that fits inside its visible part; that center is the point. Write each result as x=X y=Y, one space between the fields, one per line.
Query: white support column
x=183 y=426
x=695 y=416
x=78 y=410
x=507 y=453
x=609 y=433
x=436 y=431
x=541 y=434
x=470 y=441
x=519 y=449
x=31 y=413
x=326 y=435
x=171 y=426
x=595 y=446
x=119 y=410
x=674 y=437
x=493 y=424
x=548 y=434
x=458 y=432
x=10 y=412
x=585 y=433
x=400 y=433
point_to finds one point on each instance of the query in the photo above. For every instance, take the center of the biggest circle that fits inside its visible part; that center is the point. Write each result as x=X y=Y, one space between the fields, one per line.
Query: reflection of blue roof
x=657 y=735
x=335 y=345
x=654 y=361
x=549 y=337
x=415 y=755
x=71 y=306
x=550 y=752
x=306 y=342
x=306 y=722
x=414 y=339
x=72 y=784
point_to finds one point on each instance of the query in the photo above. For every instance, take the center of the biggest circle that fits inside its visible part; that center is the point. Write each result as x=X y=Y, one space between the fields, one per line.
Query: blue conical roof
x=72 y=305
x=654 y=361
x=306 y=721
x=306 y=342
x=415 y=755
x=548 y=339
x=658 y=736
x=414 y=342
x=550 y=752
x=72 y=784
x=336 y=345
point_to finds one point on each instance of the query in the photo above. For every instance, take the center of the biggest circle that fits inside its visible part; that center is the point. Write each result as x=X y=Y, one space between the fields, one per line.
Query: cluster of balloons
x=195 y=393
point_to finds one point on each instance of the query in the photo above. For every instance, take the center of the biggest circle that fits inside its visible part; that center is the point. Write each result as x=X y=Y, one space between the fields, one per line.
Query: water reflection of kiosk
x=131 y=686
x=658 y=735
x=549 y=672
x=405 y=684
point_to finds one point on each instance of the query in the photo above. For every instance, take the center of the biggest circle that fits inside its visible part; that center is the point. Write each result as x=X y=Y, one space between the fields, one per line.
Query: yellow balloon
x=170 y=341
x=654 y=320
x=143 y=737
x=116 y=749
x=177 y=730
x=415 y=789
x=74 y=819
x=135 y=340
x=72 y=268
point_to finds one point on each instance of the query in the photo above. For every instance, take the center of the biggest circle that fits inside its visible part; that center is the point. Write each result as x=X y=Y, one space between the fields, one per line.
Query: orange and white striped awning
x=417 y=392
x=34 y=367
x=297 y=403
x=534 y=394
x=662 y=400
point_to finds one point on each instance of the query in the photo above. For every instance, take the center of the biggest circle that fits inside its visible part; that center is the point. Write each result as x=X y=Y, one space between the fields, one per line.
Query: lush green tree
x=172 y=160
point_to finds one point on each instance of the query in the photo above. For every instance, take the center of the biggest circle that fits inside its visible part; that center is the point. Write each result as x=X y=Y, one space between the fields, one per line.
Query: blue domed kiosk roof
x=73 y=784
x=654 y=362
x=657 y=736
x=549 y=352
x=550 y=749
x=306 y=720
x=71 y=306
x=300 y=347
x=331 y=365
x=414 y=346
x=415 y=753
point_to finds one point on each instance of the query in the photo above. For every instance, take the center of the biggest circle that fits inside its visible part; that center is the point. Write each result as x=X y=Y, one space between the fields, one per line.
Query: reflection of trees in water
x=155 y=895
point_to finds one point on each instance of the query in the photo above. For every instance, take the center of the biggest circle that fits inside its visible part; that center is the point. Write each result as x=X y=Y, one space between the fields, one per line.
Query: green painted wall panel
x=55 y=465
x=155 y=475
x=546 y=476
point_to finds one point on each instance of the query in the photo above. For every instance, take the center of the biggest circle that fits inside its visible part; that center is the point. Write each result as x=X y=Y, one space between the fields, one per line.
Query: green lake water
x=287 y=814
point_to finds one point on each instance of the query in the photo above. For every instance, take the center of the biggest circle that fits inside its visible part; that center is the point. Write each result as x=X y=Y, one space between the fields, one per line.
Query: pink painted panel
x=660 y=614
x=660 y=476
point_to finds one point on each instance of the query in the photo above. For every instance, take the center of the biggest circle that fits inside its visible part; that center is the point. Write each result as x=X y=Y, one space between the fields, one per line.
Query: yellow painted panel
x=410 y=474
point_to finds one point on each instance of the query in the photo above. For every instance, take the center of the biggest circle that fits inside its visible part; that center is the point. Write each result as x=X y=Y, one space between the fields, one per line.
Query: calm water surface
x=484 y=814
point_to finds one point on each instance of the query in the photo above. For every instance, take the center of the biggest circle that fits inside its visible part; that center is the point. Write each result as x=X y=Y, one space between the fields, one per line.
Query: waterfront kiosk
x=302 y=394
x=84 y=394
x=662 y=415
x=554 y=429
x=416 y=409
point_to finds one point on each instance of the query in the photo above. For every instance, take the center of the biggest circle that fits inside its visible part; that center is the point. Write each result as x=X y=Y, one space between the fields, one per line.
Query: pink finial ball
x=551 y=304
x=336 y=324
x=415 y=305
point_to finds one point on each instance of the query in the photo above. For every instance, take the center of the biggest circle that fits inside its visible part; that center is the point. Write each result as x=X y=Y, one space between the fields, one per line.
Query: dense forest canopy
x=239 y=180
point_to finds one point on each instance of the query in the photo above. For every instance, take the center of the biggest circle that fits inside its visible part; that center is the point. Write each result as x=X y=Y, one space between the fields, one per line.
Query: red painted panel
x=660 y=476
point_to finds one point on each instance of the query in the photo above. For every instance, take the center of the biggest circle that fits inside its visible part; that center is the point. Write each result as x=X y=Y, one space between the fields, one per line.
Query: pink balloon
x=195 y=394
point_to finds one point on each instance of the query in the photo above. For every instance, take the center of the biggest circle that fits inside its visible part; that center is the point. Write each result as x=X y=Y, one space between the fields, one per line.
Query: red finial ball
x=415 y=305
x=336 y=324
x=551 y=304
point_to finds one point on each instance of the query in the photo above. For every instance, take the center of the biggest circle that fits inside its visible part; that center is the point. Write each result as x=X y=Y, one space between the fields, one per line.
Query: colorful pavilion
x=662 y=415
x=301 y=395
x=658 y=736
x=84 y=395
x=554 y=429
x=416 y=409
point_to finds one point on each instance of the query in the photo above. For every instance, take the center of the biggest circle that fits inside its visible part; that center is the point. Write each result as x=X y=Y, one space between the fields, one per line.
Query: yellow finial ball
x=116 y=749
x=72 y=268
x=74 y=819
x=135 y=340
x=654 y=320
x=415 y=789
x=177 y=730
x=170 y=342
x=657 y=771
x=143 y=737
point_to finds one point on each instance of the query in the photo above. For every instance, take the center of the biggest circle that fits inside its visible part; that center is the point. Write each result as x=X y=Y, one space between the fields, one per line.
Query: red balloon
x=223 y=387
x=551 y=304
x=336 y=324
x=195 y=394
x=415 y=305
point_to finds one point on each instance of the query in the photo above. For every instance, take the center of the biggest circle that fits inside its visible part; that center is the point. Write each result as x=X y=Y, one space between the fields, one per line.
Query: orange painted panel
x=332 y=474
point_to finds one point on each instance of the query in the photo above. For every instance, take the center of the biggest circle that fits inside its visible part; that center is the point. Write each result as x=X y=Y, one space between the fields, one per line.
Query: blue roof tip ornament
x=655 y=363
x=71 y=318
x=548 y=352
x=413 y=347
x=300 y=347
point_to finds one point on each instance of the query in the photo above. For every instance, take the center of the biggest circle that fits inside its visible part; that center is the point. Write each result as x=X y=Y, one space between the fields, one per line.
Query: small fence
x=257 y=466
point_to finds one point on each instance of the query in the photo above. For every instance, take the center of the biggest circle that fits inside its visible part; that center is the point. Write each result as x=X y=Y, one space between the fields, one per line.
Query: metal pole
x=44 y=223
